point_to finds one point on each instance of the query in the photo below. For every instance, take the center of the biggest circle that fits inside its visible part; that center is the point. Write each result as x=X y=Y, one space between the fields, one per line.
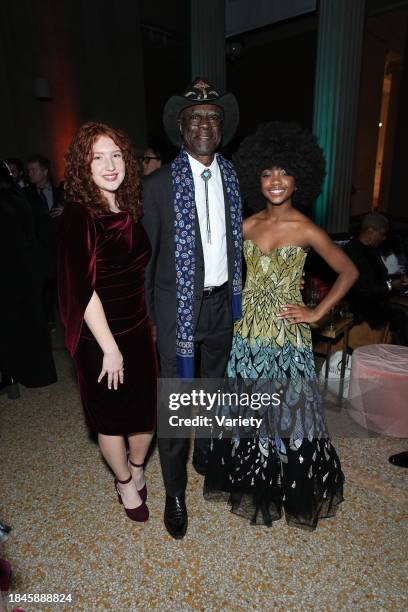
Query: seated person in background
x=392 y=254
x=370 y=296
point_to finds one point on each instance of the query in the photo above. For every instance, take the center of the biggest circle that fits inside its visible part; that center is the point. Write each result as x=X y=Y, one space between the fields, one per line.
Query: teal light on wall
x=341 y=26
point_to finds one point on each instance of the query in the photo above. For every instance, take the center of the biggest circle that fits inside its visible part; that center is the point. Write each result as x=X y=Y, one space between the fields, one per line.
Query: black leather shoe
x=401 y=459
x=175 y=516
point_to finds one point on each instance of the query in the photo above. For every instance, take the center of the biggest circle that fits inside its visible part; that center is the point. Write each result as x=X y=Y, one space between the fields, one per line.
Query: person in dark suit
x=41 y=193
x=45 y=202
x=370 y=296
x=192 y=215
x=25 y=347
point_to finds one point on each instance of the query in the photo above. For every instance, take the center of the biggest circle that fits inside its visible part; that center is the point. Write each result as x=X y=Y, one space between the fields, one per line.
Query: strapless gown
x=267 y=473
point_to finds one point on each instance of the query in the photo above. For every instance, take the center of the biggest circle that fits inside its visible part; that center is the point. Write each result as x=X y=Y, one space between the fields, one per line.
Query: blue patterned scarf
x=184 y=222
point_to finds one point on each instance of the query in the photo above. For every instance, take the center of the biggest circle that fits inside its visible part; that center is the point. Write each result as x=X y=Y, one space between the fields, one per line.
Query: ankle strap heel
x=139 y=514
x=143 y=491
x=135 y=464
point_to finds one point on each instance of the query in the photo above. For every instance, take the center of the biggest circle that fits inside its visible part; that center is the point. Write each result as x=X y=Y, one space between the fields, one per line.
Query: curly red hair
x=79 y=185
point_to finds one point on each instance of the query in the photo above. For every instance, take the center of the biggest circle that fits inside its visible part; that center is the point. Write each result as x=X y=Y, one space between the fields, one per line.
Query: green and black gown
x=288 y=465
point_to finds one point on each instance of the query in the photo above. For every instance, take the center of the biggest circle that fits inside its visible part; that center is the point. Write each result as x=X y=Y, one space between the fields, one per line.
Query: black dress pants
x=212 y=342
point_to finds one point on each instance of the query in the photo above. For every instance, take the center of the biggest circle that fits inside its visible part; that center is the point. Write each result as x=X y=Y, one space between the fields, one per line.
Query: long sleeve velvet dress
x=108 y=253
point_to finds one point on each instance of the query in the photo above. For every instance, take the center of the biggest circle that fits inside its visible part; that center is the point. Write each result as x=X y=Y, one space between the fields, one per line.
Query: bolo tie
x=206 y=175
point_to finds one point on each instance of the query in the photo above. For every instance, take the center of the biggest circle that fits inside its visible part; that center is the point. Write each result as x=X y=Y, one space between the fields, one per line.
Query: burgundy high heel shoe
x=143 y=491
x=139 y=514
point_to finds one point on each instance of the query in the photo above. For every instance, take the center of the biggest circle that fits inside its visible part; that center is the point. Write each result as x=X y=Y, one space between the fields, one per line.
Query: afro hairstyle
x=283 y=145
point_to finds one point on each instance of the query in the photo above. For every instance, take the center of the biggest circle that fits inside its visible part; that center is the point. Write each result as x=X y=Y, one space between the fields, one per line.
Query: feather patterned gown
x=288 y=465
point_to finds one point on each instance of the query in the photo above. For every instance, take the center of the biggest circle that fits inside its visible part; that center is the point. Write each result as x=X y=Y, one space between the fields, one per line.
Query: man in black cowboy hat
x=192 y=214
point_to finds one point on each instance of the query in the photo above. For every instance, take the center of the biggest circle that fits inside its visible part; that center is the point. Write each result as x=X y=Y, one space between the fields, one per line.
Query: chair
x=362 y=334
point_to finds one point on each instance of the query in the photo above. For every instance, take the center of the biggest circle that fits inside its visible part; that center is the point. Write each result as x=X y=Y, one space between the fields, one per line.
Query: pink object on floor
x=378 y=392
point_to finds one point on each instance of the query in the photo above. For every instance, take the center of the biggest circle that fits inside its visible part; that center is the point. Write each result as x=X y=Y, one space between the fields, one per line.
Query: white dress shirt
x=215 y=253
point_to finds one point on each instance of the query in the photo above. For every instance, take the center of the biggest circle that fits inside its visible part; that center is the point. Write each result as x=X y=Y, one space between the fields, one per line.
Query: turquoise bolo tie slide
x=206 y=175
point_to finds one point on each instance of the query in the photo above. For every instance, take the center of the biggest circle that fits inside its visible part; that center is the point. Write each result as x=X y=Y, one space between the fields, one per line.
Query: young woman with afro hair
x=287 y=465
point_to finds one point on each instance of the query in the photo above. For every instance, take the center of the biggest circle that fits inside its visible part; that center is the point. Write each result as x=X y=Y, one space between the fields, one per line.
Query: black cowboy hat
x=200 y=92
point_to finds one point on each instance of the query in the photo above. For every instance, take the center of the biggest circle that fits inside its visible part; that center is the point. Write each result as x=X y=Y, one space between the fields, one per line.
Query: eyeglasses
x=195 y=118
x=147 y=158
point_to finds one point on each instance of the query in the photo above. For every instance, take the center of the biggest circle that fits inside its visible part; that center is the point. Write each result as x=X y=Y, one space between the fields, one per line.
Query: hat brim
x=176 y=104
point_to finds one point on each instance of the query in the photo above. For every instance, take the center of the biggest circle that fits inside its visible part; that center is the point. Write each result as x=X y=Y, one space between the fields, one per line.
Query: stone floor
x=71 y=536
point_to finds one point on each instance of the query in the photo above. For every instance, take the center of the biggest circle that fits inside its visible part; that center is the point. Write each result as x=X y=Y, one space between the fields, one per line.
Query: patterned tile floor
x=71 y=536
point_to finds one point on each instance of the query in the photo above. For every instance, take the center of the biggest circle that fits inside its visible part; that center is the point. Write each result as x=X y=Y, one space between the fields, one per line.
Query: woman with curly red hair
x=103 y=252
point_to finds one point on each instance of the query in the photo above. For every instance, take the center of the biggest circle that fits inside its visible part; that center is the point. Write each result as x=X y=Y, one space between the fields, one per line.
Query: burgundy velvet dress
x=108 y=253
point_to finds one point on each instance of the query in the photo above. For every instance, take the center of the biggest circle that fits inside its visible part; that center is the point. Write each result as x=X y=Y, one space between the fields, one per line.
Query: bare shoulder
x=320 y=241
x=300 y=228
x=251 y=222
x=312 y=232
x=295 y=216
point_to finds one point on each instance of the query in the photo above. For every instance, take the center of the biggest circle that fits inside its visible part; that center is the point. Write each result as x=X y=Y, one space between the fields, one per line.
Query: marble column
x=208 y=41
x=339 y=50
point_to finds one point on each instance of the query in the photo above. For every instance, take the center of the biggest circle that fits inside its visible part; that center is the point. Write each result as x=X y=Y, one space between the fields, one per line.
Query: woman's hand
x=112 y=365
x=296 y=313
